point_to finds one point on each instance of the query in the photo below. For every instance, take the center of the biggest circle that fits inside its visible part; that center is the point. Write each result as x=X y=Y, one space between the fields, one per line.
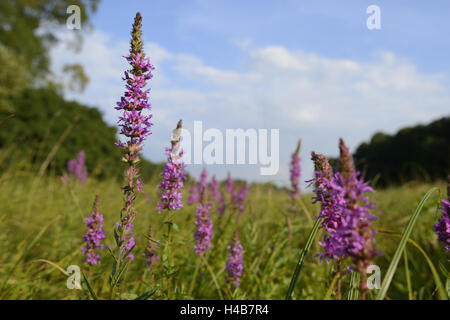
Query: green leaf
x=147 y=295
x=301 y=260
x=401 y=246
x=88 y=285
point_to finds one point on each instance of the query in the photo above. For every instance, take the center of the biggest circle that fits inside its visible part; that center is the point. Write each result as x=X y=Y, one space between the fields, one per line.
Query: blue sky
x=310 y=68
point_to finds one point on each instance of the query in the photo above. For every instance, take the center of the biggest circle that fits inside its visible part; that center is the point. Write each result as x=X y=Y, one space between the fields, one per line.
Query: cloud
x=305 y=95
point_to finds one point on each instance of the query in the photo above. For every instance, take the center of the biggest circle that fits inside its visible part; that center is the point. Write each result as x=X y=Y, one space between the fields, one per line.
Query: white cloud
x=305 y=95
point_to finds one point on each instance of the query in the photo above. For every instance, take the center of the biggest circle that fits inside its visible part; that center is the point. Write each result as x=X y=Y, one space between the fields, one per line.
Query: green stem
x=301 y=260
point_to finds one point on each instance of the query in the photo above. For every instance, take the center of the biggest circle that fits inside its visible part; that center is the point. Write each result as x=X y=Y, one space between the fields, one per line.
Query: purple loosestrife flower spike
x=240 y=199
x=202 y=185
x=94 y=235
x=214 y=193
x=150 y=254
x=230 y=184
x=194 y=197
x=442 y=228
x=346 y=167
x=332 y=202
x=134 y=124
x=234 y=266
x=76 y=168
x=204 y=232
x=173 y=175
x=355 y=237
x=295 y=176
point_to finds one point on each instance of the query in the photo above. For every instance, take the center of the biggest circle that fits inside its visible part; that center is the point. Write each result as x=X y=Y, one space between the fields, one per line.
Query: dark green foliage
x=415 y=153
x=40 y=119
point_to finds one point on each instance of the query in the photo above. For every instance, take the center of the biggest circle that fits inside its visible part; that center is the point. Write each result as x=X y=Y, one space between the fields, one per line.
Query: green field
x=42 y=226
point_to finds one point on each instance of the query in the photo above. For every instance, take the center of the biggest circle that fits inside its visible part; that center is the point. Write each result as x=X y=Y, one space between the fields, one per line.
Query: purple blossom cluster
x=76 y=168
x=197 y=191
x=295 y=176
x=94 y=235
x=128 y=241
x=234 y=265
x=194 y=196
x=214 y=190
x=240 y=198
x=204 y=232
x=236 y=198
x=345 y=212
x=150 y=254
x=442 y=228
x=134 y=123
x=173 y=175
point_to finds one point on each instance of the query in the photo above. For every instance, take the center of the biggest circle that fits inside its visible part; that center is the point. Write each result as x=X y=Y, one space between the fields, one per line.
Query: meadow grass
x=42 y=226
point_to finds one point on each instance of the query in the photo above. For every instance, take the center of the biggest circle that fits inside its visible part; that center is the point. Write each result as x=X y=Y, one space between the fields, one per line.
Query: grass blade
x=434 y=272
x=408 y=276
x=353 y=293
x=301 y=260
x=398 y=253
x=331 y=287
x=88 y=285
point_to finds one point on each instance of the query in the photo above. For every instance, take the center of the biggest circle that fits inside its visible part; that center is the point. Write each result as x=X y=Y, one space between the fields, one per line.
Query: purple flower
x=345 y=215
x=194 y=196
x=230 y=184
x=150 y=253
x=202 y=184
x=332 y=202
x=295 y=176
x=442 y=228
x=94 y=235
x=240 y=198
x=214 y=193
x=234 y=264
x=134 y=124
x=204 y=232
x=77 y=168
x=355 y=237
x=173 y=175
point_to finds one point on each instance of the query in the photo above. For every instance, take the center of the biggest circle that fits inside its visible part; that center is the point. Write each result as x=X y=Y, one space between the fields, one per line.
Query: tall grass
x=38 y=247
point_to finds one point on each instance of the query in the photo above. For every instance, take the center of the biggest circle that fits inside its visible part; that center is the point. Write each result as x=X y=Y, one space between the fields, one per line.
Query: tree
x=25 y=28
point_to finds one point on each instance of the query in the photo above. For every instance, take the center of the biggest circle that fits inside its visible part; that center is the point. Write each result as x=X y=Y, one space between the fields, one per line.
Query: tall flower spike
x=173 y=174
x=442 y=228
x=346 y=167
x=204 y=232
x=331 y=201
x=150 y=254
x=94 y=235
x=193 y=194
x=234 y=266
x=230 y=184
x=240 y=199
x=202 y=185
x=77 y=168
x=295 y=175
x=134 y=124
x=214 y=192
